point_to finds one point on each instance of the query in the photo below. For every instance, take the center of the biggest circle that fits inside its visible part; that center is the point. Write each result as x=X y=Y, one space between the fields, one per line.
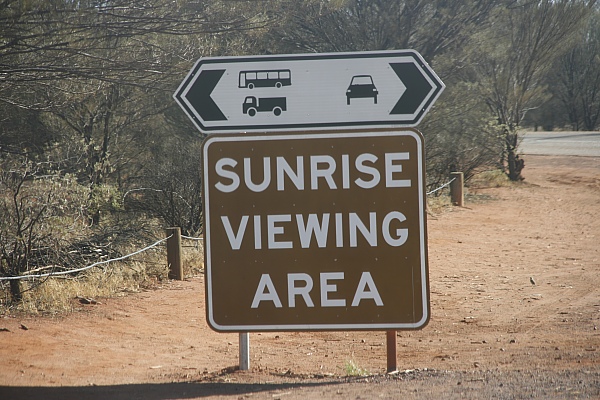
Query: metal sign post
x=244 y=345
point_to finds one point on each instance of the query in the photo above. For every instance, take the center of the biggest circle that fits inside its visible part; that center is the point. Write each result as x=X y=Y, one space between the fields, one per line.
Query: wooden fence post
x=174 y=253
x=456 y=189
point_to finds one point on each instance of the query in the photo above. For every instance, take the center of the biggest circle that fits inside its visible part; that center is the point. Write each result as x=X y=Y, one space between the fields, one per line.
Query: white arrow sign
x=309 y=91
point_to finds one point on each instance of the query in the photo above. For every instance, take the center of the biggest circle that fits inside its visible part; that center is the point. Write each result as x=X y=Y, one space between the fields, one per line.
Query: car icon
x=361 y=86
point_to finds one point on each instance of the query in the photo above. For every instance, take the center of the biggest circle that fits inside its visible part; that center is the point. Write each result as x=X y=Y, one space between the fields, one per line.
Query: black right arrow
x=199 y=95
x=417 y=88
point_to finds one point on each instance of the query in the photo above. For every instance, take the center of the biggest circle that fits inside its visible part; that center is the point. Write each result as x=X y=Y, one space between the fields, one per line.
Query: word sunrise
x=320 y=167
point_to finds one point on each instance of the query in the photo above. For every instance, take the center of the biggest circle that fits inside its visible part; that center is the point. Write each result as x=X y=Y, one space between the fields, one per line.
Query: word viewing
x=310 y=227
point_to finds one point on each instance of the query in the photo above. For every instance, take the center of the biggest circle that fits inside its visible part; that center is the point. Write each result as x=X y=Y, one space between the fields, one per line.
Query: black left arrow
x=199 y=95
x=417 y=88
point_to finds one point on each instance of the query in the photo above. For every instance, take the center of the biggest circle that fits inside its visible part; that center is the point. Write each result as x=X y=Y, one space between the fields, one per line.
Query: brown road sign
x=315 y=231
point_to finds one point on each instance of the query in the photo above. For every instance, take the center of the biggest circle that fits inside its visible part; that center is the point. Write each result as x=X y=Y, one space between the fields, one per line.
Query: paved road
x=561 y=143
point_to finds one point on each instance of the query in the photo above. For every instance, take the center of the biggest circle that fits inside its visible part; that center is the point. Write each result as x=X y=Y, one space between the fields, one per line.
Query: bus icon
x=265 y=78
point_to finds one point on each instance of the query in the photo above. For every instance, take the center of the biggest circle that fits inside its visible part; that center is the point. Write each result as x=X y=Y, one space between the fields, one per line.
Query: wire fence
x=158 y=242
x=72 y=271
x=441 y=187
x=191 y=238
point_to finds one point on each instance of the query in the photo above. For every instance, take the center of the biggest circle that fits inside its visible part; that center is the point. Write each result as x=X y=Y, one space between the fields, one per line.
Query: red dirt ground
x=492 y=331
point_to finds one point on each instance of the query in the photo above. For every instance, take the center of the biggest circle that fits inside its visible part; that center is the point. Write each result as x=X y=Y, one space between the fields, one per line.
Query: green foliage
x=460 y=136
x=352 y=369
x=574 y=81
x=41 y=216
x=511 y=58
x=104 y=199
x=169 y=186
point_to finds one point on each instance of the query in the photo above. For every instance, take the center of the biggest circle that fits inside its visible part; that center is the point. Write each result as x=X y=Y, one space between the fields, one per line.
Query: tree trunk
x=515 y=164
x=15 y=290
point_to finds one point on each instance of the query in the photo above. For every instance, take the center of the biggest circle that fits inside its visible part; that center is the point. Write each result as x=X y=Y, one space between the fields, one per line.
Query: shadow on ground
x=147 y=391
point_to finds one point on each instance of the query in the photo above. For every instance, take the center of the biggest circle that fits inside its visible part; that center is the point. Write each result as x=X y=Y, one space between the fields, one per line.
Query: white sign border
x=325 y=327
x=428 y=73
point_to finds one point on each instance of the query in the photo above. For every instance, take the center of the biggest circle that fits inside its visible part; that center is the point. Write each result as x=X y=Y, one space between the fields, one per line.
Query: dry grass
x=438 y=204
x=489 y=179
x=61 y=295
x=192 y=257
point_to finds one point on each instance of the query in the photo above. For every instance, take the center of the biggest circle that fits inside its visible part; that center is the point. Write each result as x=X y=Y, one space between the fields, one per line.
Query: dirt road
x=515 y=300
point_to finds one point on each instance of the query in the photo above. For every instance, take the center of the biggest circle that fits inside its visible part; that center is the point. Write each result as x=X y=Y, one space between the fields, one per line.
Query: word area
x=301 y=285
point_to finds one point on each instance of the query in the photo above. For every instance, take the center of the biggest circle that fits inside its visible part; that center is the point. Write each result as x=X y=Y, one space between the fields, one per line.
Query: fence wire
x=50 y=274
x=441 y=187
x=191 y=238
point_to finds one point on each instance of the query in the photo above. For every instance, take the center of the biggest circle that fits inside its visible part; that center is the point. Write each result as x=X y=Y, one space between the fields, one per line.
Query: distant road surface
x=561 y=143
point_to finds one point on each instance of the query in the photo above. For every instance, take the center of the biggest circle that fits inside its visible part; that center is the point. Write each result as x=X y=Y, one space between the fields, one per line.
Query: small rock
x=85 y=300
x=24 y=327
x=532 y=280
